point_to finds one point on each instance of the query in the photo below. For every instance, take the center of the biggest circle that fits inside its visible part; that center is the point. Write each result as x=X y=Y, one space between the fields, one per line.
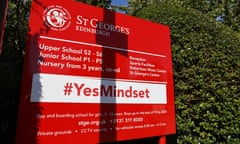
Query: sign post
x=3 y=14
x=93 y=73
x=162 y=140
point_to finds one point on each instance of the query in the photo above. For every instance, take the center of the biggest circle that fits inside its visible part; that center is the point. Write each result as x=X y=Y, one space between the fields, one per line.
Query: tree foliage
x=206 y=71
x=11 y=67
x=226 y=11
x=99 y=3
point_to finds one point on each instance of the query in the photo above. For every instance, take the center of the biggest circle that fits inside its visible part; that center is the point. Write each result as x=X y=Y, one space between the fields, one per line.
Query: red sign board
x=92 y=76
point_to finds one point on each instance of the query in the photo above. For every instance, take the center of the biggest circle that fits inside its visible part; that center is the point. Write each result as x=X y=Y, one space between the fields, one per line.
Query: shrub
x=206 y=63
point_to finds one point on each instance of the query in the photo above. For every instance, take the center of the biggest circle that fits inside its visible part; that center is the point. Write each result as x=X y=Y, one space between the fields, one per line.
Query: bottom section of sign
x=63 y=109
x=78 y=89
x=93 y=123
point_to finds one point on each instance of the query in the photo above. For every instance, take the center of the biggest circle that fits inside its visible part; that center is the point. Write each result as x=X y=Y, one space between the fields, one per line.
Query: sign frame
x=91 y=72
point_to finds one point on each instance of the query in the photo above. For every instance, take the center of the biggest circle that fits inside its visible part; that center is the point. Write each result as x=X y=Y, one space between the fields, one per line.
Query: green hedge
x=206 y=62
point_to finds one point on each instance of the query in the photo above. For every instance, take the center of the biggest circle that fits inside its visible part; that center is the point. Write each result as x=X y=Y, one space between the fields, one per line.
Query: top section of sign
x=79 y=22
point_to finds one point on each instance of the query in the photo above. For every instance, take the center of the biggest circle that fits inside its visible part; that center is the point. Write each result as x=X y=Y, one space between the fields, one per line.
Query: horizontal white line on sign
x=97 y=45
x=129 y=80
x=53 y=88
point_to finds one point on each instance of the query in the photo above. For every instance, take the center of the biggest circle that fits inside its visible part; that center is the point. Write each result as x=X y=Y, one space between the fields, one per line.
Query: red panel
x=92 y=75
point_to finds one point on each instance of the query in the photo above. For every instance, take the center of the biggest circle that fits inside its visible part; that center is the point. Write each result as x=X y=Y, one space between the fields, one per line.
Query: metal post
x=162 y=140
x=3 y=13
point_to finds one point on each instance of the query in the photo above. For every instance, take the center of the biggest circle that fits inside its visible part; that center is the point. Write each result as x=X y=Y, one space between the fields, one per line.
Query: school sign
x=92 y=75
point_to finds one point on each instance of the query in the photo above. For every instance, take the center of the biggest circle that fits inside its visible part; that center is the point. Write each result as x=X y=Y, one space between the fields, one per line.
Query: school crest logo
x=56 y=18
